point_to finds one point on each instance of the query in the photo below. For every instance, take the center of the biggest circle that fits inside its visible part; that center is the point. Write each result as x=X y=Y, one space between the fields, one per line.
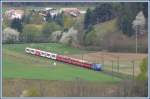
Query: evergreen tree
x=17 y=24
x=87 y=20
x=59 y=19
x=127 y=13
x=101 y=13
x=48 y=17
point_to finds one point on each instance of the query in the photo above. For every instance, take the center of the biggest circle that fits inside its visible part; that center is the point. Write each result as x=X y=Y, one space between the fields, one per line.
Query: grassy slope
x=106 y=27
x=17 y=64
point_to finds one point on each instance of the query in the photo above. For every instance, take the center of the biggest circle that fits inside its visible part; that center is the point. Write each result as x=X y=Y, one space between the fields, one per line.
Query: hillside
x=17 y=64
x=106 y=27
x=102 y=29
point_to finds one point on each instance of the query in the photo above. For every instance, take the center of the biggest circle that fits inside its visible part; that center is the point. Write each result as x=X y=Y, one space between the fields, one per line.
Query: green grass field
x=18 y=64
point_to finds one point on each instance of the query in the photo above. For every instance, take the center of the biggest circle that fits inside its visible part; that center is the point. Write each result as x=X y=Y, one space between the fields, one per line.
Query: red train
x=65 y=59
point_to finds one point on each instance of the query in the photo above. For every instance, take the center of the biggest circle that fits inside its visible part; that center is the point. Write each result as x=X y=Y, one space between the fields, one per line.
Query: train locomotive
x=65 y=59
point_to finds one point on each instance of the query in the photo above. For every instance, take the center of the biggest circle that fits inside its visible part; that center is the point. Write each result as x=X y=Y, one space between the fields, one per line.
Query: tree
x=145 y=9
x=139 y=23
x=59 y=19
x=32 y=17
x=87 y=20
x=36 y=19
x=17 y=24
x=27 y=17
x=48 y=17
x=126 y=14
x=101 y=13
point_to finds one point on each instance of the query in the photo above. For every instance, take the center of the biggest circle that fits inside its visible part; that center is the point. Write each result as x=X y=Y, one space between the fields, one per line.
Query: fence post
x=103 y=59
x=112 y=68
x=118 y=63
x=133 y=69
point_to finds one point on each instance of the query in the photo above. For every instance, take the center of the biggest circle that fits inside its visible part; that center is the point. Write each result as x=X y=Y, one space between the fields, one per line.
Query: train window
x=53 y=56
x=27 y=50
x=48 y=55
x=43 y=53
x=32 y=51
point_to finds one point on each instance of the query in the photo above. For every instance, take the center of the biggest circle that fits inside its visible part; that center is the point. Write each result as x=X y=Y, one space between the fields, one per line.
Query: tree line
x=125 y=12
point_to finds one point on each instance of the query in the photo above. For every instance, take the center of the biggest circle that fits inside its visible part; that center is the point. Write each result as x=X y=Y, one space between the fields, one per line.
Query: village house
x=52 y=11
x=14 y=13
x=72 y=11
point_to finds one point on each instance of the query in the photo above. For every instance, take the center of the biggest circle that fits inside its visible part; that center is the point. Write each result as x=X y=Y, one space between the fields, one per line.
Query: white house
x=14 y=13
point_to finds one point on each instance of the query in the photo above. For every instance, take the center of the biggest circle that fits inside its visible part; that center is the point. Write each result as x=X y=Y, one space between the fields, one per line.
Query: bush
x=143 y=68
x=30 y=93
x=4 y=26
x=48 y=28
x=31 y=33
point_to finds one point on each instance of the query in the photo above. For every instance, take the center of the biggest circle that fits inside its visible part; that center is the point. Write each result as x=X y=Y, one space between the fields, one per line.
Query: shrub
x=30 y=93
x=143 y=68
x=48 y=28
x=31 y=33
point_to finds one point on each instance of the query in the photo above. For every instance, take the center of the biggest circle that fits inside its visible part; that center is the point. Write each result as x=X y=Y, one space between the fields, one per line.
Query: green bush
x=143 y=68
x=30 y=93
x=48 y=28
x=4 y=26
x=33 y=93
x=31 y=33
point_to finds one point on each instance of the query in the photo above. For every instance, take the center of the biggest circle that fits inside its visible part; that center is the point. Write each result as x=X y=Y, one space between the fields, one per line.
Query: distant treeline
x=125 y=12
x=37 y=4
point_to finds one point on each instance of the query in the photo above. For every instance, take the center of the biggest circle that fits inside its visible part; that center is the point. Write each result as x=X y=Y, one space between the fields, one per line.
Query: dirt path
x=111 y=56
